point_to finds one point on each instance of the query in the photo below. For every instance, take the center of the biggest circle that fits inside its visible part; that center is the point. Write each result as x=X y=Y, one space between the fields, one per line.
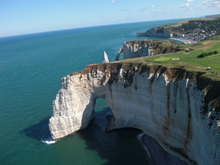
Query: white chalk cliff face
x=134 y=50
x=165 y=103
x=131 y=49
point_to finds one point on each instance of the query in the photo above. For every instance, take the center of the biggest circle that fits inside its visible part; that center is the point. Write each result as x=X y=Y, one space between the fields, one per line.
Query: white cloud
x=190 y=0
x=211 y=4
x=185 y=5
x=153 y=5
x=113 y=1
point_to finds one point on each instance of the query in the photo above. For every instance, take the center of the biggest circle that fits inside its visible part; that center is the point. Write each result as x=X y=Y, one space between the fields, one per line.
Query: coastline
x=185 y=41
x=156 y=153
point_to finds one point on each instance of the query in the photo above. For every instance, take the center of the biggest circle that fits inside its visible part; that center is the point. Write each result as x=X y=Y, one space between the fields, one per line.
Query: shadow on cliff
x=123 y=146
x=118 y=147
x=38 y=131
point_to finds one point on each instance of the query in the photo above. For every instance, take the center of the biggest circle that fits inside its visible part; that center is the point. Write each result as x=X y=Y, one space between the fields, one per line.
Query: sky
x=32 y=16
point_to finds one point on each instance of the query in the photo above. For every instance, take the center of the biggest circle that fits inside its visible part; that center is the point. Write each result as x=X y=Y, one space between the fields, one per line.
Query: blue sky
x=32 y=16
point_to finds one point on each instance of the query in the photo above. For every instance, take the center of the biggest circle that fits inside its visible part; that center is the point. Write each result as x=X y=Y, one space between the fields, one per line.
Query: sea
x=31 y=68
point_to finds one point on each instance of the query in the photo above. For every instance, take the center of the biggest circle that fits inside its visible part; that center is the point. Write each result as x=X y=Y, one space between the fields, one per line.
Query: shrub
x=207 y=54
x=200 y=56
x=210 y=53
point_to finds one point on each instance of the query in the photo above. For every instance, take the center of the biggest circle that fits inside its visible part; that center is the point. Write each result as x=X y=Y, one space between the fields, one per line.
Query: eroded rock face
x=134 y=50
x=165 y=103
x=141 y=48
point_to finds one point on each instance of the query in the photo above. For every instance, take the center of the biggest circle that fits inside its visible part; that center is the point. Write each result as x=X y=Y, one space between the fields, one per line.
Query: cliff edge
x=141 y=48
x=176 y=107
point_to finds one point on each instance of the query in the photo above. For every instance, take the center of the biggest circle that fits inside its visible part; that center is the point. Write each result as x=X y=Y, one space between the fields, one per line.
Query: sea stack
x=105 y=58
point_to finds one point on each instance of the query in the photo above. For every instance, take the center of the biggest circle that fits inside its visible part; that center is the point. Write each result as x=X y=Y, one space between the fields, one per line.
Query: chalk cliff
x=180 y=109
x=140 y=48
x=156 y=32
x=105 y=58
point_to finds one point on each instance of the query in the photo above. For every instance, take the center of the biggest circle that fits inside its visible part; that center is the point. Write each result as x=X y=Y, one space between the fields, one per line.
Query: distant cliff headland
x=141 y=48
x=189 y=31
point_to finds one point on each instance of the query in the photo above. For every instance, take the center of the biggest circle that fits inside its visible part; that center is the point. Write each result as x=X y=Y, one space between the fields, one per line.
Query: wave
x=48 y=141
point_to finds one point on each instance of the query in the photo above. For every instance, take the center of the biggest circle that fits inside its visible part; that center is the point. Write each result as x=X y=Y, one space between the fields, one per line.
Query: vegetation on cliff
x=207 y=54
x=187 y=59
x=157 y=46
x=197 y=25
x=182 y=64
x=196 y=29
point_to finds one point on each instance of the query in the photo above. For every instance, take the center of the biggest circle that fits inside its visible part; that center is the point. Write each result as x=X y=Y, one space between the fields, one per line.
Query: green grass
x=189 y=60
x=216 y=37
x=171 y=24
x=209 y=81
x=190 y=26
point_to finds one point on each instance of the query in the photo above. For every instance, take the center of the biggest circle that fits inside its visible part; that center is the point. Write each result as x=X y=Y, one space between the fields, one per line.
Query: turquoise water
x=31 y=68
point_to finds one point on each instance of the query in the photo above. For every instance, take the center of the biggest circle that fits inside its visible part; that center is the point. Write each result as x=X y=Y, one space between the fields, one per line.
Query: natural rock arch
x=164 y=103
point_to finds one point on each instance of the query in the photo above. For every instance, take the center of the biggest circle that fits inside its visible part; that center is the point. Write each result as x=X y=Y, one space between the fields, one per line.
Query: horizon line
x=91 y=26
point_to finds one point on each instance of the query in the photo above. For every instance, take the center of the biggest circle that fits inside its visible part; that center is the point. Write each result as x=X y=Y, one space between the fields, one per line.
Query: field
x=205 y=19
x=186 y=21
x=187 y=58
x=199 y=26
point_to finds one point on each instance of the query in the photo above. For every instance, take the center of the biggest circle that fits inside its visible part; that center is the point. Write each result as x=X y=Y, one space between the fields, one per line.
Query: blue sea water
x=31 y=68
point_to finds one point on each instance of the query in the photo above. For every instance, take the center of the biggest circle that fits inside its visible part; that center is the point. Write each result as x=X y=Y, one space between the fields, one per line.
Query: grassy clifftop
x=203 y=25
x=183 y=64
x=157 y=46
x=187 y=58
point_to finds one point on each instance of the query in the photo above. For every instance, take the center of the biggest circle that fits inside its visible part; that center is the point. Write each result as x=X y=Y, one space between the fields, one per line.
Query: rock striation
x=141 y=48
x=180 y=109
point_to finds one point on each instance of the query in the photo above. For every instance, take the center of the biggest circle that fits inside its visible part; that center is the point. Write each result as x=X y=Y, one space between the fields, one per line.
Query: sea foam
x=48 y=141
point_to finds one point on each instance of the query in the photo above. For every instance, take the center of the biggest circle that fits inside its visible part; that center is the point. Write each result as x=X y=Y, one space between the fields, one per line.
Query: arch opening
x=100 y=104
x=101 y=112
